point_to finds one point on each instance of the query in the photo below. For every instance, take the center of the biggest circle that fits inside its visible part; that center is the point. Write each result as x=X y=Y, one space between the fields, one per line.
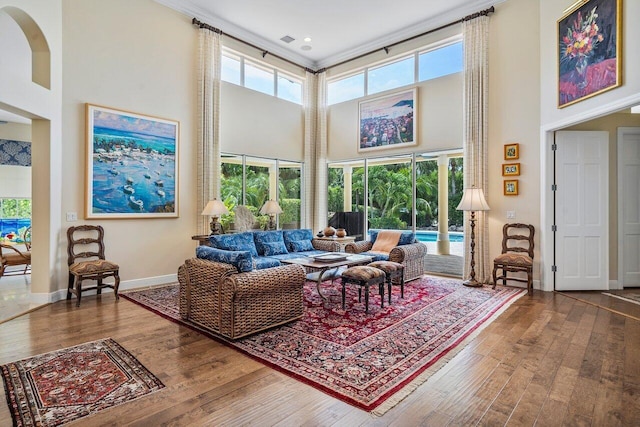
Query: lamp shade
x=473 y=200
x=271 y=207
x=215 y=208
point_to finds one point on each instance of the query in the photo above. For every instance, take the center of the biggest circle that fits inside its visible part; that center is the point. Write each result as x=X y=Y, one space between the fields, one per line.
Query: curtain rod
x=485 y=12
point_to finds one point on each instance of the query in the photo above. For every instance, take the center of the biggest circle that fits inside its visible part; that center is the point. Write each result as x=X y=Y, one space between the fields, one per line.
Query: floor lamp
x=473 y=200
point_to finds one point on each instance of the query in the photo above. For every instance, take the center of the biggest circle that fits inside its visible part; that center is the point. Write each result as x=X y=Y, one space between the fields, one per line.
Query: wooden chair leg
x=116 y=285
x=495 y=279
x=70 y=285
x=78 y=290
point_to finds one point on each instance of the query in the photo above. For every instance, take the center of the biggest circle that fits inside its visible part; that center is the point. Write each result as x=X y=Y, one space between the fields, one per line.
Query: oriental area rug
x=64 y=385
x=371 y=361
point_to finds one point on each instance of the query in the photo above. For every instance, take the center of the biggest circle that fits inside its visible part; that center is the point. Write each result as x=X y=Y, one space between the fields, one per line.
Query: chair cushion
x=263 y=238
x=386 y=240
x=362 y=273
x=265 y=262
x=241 y=260
x=92 y=267
x=387 y=266
x=377 y=256
x=514 y=259
x=234 y=242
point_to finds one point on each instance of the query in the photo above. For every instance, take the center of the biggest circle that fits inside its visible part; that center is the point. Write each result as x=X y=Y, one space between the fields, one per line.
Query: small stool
x=393 y=271
x=364 y=276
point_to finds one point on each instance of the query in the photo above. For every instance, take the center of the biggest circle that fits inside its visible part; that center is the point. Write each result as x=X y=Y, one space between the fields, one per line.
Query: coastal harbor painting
x=132 y=165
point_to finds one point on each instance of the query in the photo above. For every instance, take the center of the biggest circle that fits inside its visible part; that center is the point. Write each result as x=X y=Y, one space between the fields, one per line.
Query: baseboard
x=125 y=285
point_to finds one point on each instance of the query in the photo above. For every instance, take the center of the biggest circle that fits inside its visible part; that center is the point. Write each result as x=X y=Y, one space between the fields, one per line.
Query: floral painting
x=589 y=59
x=132 y=165
x=387 y=121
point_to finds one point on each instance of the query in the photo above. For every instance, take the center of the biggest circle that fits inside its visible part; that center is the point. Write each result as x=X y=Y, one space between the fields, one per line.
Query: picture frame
x=131 y=165
x=510 y=169
x=388 y=121
x=511 y=187
x=512 y=151
x=589 y=50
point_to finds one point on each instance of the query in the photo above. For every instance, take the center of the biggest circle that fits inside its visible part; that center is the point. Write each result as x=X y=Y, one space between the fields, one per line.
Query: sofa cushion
x=242 y=260
x=262 y=239
x=234 y=242
x=407 y=237
x=274 y=248
x=297 y=235
x=377 y=256
x=265 y=262
x=300 y=246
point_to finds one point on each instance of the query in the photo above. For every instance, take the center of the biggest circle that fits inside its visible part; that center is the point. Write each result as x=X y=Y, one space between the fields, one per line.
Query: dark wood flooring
x=549 y=360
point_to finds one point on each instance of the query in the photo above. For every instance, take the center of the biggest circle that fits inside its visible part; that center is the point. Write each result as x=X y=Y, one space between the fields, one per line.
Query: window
x=345 y=89
x=289 y=89
x=396 y=73
x=391 y=76
x=15 y=216
x=260 y=77
x=440 y=62
x=230 y=66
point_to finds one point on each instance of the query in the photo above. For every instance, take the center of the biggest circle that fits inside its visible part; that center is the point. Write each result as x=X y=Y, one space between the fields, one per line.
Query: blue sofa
x=257 y=250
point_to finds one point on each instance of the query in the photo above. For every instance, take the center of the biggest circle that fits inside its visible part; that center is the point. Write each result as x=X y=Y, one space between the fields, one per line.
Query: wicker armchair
x=216 y=297
x=412 y=256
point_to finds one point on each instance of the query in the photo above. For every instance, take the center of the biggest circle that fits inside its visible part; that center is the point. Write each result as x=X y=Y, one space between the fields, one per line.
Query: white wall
x=15 y=181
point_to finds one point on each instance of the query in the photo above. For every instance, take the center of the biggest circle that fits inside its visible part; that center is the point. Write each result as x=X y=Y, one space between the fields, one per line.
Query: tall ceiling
x=338 y=29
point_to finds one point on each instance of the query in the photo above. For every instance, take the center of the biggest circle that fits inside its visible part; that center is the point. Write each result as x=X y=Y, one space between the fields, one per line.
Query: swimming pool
x=432 y=236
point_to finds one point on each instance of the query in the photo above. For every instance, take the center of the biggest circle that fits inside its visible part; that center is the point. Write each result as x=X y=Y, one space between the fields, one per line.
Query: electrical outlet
x=511 y=214
x=72 y=216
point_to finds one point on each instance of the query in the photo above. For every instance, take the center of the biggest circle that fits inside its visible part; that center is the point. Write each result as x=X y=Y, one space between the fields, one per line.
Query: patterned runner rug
x=61 y=386
x=630 y=297
x=372 y=360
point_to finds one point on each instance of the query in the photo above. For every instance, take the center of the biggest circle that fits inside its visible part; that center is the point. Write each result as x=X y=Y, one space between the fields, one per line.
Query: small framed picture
x=512 y=151
x=511 y=187
x=511 y=169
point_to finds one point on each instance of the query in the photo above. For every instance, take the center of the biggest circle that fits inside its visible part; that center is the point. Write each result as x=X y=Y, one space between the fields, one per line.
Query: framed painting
x=589 y=50
x=512 y=169
x=388 y=121
x=132 y=165
x=511 y=187
x=512 y=151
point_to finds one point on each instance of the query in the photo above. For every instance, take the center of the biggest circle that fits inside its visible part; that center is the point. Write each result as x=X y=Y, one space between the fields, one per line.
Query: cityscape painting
x=132 y=165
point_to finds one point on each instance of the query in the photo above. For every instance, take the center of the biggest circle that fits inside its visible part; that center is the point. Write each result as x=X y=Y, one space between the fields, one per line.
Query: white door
x=582 y=211
x=629 y=207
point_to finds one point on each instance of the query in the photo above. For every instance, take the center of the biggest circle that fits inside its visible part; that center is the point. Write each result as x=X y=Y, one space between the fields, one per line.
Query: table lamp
x=214 y=209
x=271 y=208
x=473 y=200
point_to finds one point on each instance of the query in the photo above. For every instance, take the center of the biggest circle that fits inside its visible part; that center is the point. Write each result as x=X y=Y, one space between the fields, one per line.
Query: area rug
x=634 y=298
x=372 y=360
x=61 y=386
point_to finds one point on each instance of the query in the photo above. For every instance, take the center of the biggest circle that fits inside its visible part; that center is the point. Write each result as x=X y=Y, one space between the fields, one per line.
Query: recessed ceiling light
x=307 y=39
x=305 y=47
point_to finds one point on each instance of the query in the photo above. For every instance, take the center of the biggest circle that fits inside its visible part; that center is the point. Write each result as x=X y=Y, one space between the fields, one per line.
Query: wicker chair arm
x=406 y=252
x=204 y=272
x=16 y=250
x=262 y=282
x=357 y=247
x=325 y=245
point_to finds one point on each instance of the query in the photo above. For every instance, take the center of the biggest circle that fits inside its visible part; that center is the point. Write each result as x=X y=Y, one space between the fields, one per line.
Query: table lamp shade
x=271 y=207
x=473 y=200
x=215 y=208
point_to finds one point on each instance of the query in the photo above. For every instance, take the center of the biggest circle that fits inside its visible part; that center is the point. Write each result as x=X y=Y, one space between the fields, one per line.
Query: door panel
x=582 y=211
x=629 y=206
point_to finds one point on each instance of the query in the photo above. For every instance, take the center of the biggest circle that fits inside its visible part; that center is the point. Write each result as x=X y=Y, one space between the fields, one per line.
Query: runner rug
x=630 y=297
x=371 y=360
x=61 y=386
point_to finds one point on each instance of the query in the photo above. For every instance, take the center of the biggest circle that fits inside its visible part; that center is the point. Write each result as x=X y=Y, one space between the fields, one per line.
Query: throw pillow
x=263 y=237
x=274 y=248
x=242 y=260
x=300 y=246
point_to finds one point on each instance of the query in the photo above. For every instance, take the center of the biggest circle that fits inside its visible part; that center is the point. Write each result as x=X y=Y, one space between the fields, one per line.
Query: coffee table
x=319 y=271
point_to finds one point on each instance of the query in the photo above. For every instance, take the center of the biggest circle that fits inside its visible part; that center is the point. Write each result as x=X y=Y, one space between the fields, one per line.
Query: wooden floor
x=549 y=360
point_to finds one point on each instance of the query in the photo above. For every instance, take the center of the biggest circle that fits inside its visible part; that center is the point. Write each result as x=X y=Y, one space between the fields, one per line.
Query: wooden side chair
x=517 y=255
x=12 y=256
x=87 y=261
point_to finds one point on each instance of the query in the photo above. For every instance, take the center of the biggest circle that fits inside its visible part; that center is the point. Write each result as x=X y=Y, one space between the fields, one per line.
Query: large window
x=432 y=62
x=261 y=77
x=15 y=217
x=390 y=193
x=251 y=181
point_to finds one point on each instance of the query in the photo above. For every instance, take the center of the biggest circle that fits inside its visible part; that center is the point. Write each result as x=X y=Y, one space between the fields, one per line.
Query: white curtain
x=315 y=151
x=475 y=108
x=208 y=122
